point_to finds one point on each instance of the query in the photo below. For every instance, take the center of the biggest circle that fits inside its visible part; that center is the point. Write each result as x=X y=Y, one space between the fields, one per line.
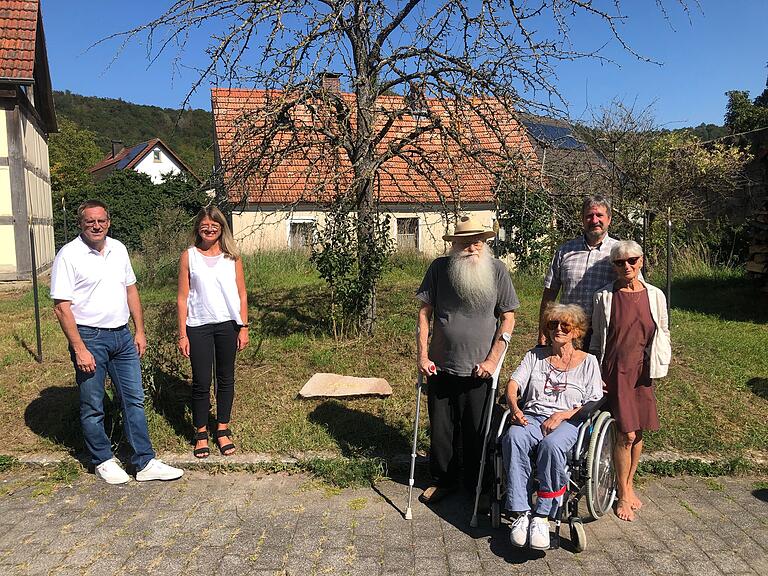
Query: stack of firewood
x=757 y=265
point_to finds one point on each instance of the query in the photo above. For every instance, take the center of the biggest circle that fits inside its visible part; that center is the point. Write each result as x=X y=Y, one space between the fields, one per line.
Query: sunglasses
x=632 y=261
x=564 y=326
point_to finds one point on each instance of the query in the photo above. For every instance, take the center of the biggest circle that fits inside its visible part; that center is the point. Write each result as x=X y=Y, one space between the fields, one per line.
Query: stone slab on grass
x=324 y=384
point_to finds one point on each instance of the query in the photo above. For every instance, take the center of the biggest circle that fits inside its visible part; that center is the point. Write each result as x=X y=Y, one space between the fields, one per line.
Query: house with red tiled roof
x=279 y=199
x=27 y=117
x=153 y=158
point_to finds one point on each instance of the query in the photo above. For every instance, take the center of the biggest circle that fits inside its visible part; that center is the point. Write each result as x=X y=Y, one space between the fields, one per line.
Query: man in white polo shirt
x=94 y=292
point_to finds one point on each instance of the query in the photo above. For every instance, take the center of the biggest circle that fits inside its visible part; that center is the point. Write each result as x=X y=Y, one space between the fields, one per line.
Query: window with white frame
x=408 y=234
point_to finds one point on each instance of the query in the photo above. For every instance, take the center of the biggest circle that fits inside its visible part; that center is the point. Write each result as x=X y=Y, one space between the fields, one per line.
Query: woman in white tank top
x=213 y=323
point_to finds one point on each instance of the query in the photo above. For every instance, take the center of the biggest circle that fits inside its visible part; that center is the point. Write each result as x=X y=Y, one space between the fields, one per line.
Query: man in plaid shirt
x=581 y=266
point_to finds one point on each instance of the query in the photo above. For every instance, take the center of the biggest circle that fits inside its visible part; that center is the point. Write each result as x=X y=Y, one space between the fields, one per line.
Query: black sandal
x=226 y=433
x=201 y=452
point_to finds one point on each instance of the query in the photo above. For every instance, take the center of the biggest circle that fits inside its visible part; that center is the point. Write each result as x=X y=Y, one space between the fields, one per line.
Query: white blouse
x=213 y=295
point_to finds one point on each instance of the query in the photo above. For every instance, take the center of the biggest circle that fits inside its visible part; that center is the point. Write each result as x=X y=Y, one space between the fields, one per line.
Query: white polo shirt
x=95 y=283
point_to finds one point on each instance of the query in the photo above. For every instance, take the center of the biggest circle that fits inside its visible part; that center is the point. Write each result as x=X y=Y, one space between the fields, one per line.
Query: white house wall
x=37 y=174
x=270 y=229
x=157 y=169
x=7 y=239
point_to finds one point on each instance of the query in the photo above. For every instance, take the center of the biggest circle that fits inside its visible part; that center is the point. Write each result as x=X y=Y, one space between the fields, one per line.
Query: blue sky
x=721 y=48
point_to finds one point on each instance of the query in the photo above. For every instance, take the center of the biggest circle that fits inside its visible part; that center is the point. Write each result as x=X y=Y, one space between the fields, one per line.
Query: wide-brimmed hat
x=468 y=227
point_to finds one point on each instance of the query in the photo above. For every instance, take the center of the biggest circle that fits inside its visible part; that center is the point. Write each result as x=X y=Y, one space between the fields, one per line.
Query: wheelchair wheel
x=601 y=485
x=578 y=535
x=495 y=514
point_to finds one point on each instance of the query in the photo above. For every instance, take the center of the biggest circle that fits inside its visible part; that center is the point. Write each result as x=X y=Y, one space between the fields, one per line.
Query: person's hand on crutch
x=427 y=367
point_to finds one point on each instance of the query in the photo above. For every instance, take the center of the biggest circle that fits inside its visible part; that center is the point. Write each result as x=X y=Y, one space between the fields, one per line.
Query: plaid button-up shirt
x=578 y=270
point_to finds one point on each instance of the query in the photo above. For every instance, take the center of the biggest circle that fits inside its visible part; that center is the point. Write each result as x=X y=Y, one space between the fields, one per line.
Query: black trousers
x=206 y=343
x=456 y=407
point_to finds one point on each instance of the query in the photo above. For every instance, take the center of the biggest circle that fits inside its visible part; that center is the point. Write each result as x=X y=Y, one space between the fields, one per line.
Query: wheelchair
x=592 y=476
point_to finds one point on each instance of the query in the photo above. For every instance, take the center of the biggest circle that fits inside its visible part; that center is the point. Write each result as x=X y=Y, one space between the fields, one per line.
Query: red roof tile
x=18 y=27
x=314 y=170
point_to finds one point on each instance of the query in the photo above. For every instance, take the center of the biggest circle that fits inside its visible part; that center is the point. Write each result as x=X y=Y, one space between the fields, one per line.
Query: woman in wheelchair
x=554 y=382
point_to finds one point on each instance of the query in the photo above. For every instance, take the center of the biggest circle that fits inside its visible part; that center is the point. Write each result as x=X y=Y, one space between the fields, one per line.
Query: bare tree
x=432 y=84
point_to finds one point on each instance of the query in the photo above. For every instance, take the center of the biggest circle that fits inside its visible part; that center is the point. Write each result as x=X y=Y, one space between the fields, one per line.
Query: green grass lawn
x=713 y=403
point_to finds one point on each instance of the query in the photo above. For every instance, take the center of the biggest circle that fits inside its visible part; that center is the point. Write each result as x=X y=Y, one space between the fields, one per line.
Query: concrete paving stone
x=431 y=566
x=106 y=564
x=334 y=560
x=429 y=547
x=757 y=562
x=269 y=558
x=368 y=545
x=597 y=562
x=365 y=565
x=366 y=527
x=637 y=567
x=664 y=563
x=300 y=564
x=400 y=558
x=729 y=563
x=233 y=565
x=463 y=560
x=700 y=567
x=337 y=537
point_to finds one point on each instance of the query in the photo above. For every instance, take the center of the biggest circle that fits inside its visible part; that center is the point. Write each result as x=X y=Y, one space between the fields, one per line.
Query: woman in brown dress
x=631 y=340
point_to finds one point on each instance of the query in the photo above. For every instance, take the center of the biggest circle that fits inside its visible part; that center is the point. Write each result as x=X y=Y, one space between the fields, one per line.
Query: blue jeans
x=519 y=445
x=115 y=354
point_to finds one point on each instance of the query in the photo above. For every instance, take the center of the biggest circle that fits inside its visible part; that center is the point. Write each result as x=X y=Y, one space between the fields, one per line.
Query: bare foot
x=624 y=510
x=635 y=502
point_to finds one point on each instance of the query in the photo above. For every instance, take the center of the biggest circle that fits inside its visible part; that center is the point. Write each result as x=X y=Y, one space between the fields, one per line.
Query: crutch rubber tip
x=473 y=522
x=409 y=514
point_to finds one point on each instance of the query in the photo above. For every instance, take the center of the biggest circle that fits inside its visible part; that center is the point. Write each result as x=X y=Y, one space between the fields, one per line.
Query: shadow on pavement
x=761 y=494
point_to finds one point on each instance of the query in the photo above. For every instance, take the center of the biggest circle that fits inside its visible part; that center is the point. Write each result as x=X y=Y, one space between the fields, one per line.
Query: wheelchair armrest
x=588 y=410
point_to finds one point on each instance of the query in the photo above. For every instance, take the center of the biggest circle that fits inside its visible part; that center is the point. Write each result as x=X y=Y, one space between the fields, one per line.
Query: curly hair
x=573 y=314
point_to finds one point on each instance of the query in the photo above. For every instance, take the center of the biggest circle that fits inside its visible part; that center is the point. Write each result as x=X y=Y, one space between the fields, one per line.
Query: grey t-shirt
x=546 y=390
x=462 y=336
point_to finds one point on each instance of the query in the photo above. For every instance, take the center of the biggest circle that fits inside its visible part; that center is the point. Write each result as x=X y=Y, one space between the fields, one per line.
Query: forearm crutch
x=489 y=415
x=419 y=381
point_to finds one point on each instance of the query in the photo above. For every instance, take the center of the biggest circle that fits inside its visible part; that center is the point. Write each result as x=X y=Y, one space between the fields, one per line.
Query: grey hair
x=596 y=200
x=626 y=248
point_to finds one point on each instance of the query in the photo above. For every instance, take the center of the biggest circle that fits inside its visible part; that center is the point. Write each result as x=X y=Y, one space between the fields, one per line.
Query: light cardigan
x=661 y=347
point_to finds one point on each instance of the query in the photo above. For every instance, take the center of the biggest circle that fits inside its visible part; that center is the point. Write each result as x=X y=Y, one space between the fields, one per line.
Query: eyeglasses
x=632 y=261
x=564 y=326
x=210 y=228
x=94 y=222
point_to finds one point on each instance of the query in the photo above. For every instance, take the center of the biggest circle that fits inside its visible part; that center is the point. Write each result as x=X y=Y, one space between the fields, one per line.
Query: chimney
x=117 y=146
x=330 y=82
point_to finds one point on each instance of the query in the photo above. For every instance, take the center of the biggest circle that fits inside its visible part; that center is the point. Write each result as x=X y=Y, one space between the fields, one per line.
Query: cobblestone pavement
x=238 y=523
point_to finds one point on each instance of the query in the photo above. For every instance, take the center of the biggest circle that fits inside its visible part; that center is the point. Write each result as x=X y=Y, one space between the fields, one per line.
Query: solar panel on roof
x=135 y=151
x=556 y=136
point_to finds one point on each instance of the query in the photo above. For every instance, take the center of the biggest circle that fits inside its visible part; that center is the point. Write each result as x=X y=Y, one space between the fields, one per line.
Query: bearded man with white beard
x=469 y=297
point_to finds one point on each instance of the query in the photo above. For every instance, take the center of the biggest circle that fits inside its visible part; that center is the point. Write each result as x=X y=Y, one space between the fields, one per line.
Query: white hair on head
x=626 y=248
x=472 y=276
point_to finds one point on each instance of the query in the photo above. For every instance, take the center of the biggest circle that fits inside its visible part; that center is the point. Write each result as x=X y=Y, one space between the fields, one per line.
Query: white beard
x=472 y=277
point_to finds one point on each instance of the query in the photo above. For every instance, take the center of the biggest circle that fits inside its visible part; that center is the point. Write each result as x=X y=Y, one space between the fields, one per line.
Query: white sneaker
x=519 y=534
x=111 y=472
x=539 y=533
x=158 y=470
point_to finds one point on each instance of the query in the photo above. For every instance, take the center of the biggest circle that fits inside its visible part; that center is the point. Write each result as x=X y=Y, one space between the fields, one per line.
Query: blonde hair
x=571 y=313
x=226 y=240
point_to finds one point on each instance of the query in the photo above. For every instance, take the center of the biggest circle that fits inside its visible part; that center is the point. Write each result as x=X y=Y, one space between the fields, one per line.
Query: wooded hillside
x=190 y=134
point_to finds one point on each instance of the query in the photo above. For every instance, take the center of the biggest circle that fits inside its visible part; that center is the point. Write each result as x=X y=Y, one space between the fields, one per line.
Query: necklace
x=551 y=386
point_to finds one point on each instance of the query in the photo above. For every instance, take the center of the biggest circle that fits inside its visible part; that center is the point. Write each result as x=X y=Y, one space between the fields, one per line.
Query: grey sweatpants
x=518 y=446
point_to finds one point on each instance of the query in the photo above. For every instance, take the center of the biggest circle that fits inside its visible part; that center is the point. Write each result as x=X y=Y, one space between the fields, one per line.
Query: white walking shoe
x=519 y=534
x=158 y=470
x=111 y=472
x=539 y=533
